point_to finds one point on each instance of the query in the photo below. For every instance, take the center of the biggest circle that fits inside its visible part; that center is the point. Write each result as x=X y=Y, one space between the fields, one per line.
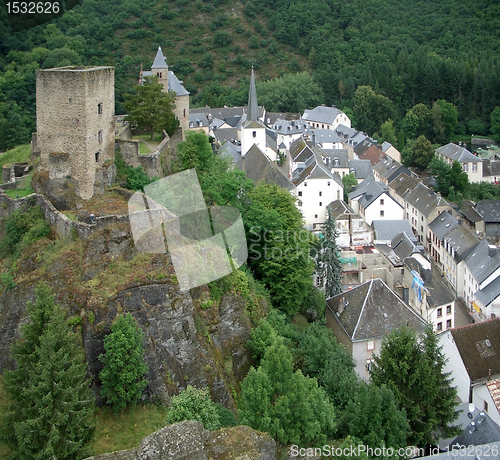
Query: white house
x=326 y=118
x=316 y=188
x=470 y=163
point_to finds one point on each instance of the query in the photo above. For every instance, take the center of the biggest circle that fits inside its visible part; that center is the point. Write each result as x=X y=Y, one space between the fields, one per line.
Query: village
x=409 y=257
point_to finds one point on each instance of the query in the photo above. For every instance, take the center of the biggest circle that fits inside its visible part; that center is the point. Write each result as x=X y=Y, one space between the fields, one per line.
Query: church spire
x=253 y=107
x=160 y=62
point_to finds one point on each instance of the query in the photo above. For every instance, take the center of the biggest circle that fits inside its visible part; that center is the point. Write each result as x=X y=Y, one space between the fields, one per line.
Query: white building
x=470 y=163
x=326 y=118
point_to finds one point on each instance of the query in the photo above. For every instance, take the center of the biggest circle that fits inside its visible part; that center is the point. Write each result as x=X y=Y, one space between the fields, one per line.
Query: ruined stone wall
x=129 y=150
x=73 y=105
x=181 y=111
x=59 y=165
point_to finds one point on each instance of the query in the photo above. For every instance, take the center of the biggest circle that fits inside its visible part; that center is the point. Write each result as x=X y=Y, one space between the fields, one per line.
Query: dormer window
x=336 y=162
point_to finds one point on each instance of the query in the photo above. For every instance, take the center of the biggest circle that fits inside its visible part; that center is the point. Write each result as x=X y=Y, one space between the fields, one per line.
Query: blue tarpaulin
x=417 y=285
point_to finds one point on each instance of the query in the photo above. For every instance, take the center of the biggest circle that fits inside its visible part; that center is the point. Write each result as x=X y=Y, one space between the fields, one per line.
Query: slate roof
x=339 y=208
x=253 y=106
x=176 y=85
x=489 y=210
x=233 y=151
x=272 y=117
x=372 y=153
x=345 y=132
x=315 y=169
x=484 y=432
x=362 y=168
x=471 y=215
x=336 y=154
x=443 y=224
x=491 y=168
x=196 y=119
x=462 y=240
x=160 y=62
x=403 y=184
x=321 y=114
x=386 y=230
x=489 y=293
x=424 y=199
x=385 y=146
x=403 y=246
x=363 y=145
x=302 y=150
x=472 y=344
x=225 y=135
x=289 y=127
x=482 y=260
x=223 y=112
x=259 y=167
x=438 y=291
x=271 y=140
x=369 y=190
x=389 y=169
x=456 y=153
x=324 y=136
x=372 y=310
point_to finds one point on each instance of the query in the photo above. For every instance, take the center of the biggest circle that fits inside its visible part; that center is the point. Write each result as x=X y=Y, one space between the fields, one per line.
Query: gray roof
x=403 y=184
x=438 y=291
x=482 y=260
x=301 y=150
x=339 y=208
x=372 y=310
x=390 y=169
x=471 y=215
x=362 y=168
x=224 y=112
x=489 y=210
x=198 y=120
x=231 y=150
x=462 y=240
x=253 y=106
x=271 y=140
x=315 y=169
x=491 y=168
x=325 y=136
x=489 y=293
x=272 y=117
x=443 y=224
x=424 y=199
x=403 y=246
x=336 y=154
x=369 y=190
x=160 y=62
x=456 y=153
x=225 y=135
x=176 y=85
x=289 y=127
x=321 y=114
x=386 y=230
x=345 y=132
x=385 y=146
x=258 y=167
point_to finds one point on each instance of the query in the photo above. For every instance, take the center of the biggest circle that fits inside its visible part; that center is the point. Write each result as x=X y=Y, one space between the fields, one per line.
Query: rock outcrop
x=190 y=441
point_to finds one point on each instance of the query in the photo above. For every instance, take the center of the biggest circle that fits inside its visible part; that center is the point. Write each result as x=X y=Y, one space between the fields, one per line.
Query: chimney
x=341 y=306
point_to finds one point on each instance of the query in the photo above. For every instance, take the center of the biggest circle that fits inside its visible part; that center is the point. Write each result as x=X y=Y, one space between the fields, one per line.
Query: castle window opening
x=99 y=136
x=158 y=74
x=99 y=108
x=97 y=156
x=184 y=113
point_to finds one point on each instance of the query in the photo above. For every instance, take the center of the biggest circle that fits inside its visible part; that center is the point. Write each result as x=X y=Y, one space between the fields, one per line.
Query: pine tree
x=413 y=368
x=329 y=264
x=50 y=411
x=124 y=368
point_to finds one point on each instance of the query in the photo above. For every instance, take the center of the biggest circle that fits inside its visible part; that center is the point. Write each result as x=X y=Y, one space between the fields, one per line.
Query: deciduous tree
x=422 y=152
x=50 y=409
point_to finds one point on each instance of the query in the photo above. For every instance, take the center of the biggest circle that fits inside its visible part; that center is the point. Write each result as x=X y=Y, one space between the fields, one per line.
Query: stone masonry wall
x=181 y=111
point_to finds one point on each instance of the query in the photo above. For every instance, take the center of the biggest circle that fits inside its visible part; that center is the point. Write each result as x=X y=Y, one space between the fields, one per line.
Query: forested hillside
x=412 y=52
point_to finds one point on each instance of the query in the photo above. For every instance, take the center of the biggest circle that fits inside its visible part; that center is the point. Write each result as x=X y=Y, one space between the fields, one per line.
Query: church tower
x=253 y=130
x=160 y=69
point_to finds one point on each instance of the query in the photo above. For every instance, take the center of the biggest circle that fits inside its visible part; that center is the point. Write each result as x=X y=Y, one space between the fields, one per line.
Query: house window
x=299 y=203
x=371 y=345
x=485 y=406
x=319 y=193
x=421 y=228
x=407 y=205
x=254 y=133
x=439 y=326
x=474 y=167
x=320 y=203
x=448 y=323
x=381 y=213
x=97 y=157
x=315 y=216
x=99 y=136
x=338 y=194
x=99 y=108
x=440 y=312
x=381 y=202
x=407 y=216
x=448 y=309
x=328 y=183
x=305 y=184
x=369 y=365
x=466 y=167
x=421 y=218
x=300 y=192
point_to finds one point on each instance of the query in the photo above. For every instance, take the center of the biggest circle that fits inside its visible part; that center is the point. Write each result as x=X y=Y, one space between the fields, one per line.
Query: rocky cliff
x=189 y=338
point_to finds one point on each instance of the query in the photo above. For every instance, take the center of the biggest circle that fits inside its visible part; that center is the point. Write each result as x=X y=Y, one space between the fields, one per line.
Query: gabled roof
x=339 y=208
x=302 y=150
x=471 y=215
x=387 y=230
x=403 y=184
x=479 y=348
x=372 y=310
x=386 y=146
x=489 y=210
x=456 y=153
x=462 y=240
x=403 y=246
x=489 y=293
x=443 y=224
x=223 y=112
x=482 y=260
x=340 y=155
x=368 y=191
x=272 y=117
x=424 y=199
x=259 y=167
x=345 y=132
x=225 y=135
x=160 y=62
x=175 y=85
x=325 y=136
x=199 y=120
x=491 y=168
x=372 y=153
x=389 y=169
x=231 y=150
x=315 y=169
x=362 y=168
x=289 y=127
x=321 y=114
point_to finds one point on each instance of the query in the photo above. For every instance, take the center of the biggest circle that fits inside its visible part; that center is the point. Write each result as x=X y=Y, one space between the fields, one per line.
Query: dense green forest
x=411 y=52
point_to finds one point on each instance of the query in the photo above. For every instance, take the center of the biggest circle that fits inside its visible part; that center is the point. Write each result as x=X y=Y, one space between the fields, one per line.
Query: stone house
x=470 y=163
x=352 y=229
x=362 y=317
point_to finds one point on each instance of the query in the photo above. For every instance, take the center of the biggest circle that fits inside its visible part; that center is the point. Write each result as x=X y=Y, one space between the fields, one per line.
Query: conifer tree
x=124 y=368
x=329 y=264
x=50 y=409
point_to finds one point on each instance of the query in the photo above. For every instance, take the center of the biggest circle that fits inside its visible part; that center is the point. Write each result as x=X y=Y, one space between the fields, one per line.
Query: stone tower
x=75 y=118
x=253 y=130
x=170 y=84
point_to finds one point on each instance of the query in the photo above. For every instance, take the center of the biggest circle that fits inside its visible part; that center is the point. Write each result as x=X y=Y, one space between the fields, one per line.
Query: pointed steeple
x=160 y=62
x=253 y=107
